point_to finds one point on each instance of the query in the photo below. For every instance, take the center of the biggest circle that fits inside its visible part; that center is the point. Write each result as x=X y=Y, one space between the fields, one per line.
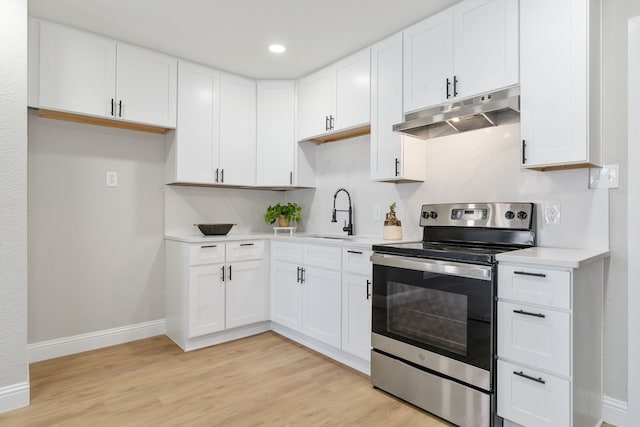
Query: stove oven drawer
x=532 y=285
x=535 y=336
x=532 y=398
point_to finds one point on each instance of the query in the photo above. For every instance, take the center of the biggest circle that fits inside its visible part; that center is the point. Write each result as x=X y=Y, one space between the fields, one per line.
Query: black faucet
x=347 y=228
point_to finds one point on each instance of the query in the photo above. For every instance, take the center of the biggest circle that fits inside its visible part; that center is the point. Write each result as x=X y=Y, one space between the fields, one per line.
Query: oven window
x=431 y=316
x=446 y=314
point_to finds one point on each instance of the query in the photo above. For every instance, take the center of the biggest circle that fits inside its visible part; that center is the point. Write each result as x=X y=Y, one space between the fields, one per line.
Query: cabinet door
x=146 y=86
x=286 y=295
x=237 y=130
x=316 y=101
x=206 y=299
x=321 y=305
x=77 y=71
x=276 y=133
x=485 y=45
x=428 y=61
x=194 y=144
x=356 y=315
x=352 y=91
x=553 y=82
x=246 y=293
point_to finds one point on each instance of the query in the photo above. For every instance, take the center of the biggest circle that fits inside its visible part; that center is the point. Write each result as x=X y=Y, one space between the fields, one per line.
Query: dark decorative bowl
x=214 y=229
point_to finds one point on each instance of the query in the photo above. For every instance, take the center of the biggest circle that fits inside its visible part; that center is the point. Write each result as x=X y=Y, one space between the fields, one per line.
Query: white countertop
x=558 y=257
x=364 y=242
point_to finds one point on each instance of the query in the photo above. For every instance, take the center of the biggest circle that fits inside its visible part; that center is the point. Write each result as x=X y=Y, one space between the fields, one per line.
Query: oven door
x=436 y=314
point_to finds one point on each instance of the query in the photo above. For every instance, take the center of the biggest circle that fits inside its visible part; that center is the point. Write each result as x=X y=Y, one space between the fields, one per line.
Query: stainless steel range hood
x=489 y=109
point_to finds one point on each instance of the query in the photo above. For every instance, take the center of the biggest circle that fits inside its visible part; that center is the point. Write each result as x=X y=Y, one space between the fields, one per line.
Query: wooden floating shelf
x=99 y=121
x=345 y=134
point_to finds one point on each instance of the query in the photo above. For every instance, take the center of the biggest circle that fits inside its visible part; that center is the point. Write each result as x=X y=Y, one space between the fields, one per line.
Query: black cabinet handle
x=354 y=252
x=448 y=84
x=302 y=278
x=526 y=273
x=120 y=108
x=222 y=271
x=217 y=175
x=326 y=122
x=368 y=293
x=209 y=246
x=229 y=273
x=455 y=86
x=540 y=315
x=298 y=276
x=331 y=119
x=247 y=244
x=291 y=178
x=397 y=167
x=524 y=155
x=523 y=375
x=222 y=175
x=113 y=107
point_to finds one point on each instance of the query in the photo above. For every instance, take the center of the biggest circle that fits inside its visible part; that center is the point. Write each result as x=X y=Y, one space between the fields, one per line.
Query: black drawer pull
x=540 y=315
x=247 y=244
x=355 y=252
x=523 y=375
x=526 y=273
x=209 y=246
x=368 y=293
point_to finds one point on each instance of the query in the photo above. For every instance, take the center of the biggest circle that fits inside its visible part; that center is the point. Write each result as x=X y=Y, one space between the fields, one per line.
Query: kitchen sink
x=328 y=236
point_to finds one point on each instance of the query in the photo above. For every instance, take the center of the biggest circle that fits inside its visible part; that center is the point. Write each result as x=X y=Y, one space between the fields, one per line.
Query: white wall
x=472 y=167
x=14 y=374
x=96 y=254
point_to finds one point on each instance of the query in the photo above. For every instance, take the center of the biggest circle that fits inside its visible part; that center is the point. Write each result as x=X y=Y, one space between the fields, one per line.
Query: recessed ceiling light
x=277 y=48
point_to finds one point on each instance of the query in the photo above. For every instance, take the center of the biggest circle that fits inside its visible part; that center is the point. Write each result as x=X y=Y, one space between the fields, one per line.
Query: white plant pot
x=392 y=232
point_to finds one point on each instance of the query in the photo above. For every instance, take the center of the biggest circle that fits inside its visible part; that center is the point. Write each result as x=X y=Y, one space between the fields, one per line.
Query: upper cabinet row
x=82 y=73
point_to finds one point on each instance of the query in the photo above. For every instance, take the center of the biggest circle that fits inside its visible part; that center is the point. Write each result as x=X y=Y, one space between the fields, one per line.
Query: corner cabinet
x=560 y=88
x=394 y=157
x=466 y=50
x=550 y=320
x=215 y=291
x=333 y=103
x=83 y=74
x=215 y=140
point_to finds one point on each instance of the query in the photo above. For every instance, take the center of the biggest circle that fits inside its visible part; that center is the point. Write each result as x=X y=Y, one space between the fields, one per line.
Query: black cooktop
x=446 y=251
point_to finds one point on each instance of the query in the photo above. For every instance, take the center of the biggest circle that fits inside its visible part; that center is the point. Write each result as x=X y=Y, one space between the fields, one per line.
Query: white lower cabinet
x=305 y=297
x=550 y=343
x=356 y=302
x=214 y=287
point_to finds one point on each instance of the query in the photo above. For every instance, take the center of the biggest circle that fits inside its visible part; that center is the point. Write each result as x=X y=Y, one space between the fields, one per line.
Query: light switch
x=112 y=179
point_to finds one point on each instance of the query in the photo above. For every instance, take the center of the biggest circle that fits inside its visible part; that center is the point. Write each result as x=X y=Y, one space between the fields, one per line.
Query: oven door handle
x=449 y=268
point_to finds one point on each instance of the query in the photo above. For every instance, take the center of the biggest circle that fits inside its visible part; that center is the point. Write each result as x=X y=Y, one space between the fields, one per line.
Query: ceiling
x=233 y=35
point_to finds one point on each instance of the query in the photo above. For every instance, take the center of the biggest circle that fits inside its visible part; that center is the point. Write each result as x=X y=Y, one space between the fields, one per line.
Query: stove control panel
x=488 y=215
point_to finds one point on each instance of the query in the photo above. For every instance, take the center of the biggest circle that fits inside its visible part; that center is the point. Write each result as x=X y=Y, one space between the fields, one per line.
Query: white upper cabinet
x=146 y=86
x=394 y=157
x=276 y=133
x=77 y=71
x=215 y=141
x=237 y=130
x=463 y=51
x=335 y=99
x=560 y=87
x=85 y=74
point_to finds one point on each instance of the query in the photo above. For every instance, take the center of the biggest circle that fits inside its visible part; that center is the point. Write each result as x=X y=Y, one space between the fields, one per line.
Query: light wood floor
x=265 y=380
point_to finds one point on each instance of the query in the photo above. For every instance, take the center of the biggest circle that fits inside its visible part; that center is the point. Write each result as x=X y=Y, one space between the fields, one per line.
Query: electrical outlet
x=605 y=177
x=552 y=213
x=112 y=179
x=376 y=213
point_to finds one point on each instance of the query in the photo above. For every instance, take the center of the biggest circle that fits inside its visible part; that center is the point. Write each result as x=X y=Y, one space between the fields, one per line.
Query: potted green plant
x=284 y=214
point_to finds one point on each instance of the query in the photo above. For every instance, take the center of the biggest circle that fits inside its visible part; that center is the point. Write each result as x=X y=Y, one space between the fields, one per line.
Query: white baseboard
x=614 y=411
x=14 y=397
x=78 y=343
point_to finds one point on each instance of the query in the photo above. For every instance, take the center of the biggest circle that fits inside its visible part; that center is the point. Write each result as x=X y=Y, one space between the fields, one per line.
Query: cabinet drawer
x=244 y=251
x=327 y=257
x=535 y=285
x=206 y=253
x=535 y=337
x=289 y=252
x=532 y=398
x=355 y=260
